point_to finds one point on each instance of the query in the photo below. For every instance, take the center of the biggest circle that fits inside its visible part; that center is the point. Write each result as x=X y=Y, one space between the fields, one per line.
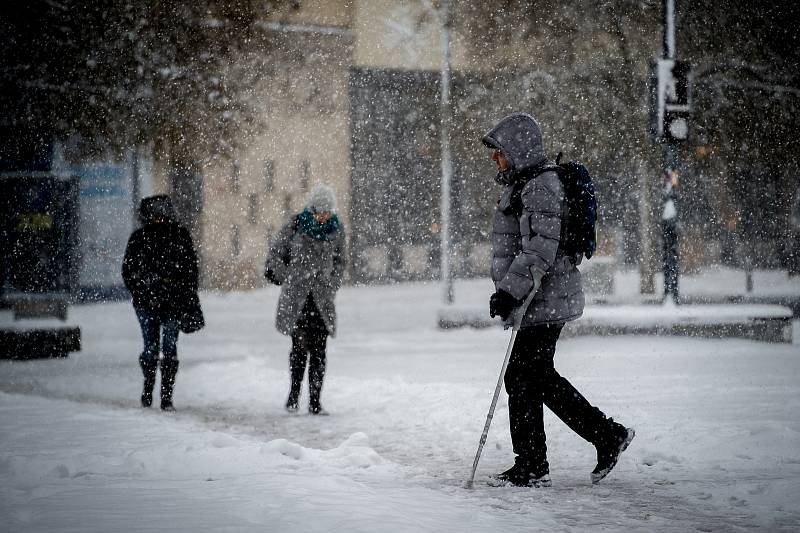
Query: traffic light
x=676 y=126
x=671 y=102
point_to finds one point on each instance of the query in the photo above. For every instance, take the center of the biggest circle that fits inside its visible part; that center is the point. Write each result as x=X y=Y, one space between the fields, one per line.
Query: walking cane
x=518 y=316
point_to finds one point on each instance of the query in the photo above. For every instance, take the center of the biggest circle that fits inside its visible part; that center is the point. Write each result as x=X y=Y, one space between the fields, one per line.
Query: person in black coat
x=670 y=231
x=160 y=269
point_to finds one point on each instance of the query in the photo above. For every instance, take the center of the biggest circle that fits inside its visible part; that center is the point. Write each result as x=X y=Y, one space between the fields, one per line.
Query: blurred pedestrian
x=528 y=258
x=307 y=260
x=160 y=271
x=669 y=235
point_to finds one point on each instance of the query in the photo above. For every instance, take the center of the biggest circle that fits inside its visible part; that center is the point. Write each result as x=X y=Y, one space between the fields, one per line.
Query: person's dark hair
x=156 y=208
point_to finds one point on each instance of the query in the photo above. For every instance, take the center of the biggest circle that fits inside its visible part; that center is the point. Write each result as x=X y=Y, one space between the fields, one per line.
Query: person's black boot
x=169 y=368
x=149 y=368
x=316 y=373
x=297 y=367
x=523 y=474
x=317 y=410
x=291 y=402
x=314 y=391
x=609 y=451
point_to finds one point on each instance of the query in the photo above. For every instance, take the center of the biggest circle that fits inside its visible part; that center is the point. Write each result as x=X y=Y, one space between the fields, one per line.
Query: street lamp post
x=447 y=163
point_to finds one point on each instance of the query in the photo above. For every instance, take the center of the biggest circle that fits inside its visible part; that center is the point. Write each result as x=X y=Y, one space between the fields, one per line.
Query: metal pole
x=447 y=164
x=670 y=161
x=648 y=218
x=669 y=29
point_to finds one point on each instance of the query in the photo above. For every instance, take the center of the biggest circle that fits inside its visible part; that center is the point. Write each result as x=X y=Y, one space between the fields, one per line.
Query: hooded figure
x=528 y=258
x=527 y=227
x=307 y=260
x=160 y=270
x=519 y=138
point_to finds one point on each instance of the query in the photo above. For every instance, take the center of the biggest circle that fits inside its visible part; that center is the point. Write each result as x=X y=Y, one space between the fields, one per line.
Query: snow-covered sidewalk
x=86 y=468
x=717 y=446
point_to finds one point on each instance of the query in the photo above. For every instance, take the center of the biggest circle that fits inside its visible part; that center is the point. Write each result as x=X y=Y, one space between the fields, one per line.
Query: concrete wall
x=303 y=140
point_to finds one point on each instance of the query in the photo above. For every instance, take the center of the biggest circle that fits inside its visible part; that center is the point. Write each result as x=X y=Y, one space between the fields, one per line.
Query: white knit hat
x=322 y=198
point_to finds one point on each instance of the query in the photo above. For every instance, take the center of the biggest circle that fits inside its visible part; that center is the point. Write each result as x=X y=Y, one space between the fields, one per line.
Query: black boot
x=149 y=367
x=169 y=367
x=297 y=367
x=294 y=395
x=314 y=407
x=315 y=376
x=609 y=450
x=523 y=474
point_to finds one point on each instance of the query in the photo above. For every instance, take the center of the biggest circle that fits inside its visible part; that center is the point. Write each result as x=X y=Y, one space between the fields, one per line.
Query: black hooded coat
x=160 y=268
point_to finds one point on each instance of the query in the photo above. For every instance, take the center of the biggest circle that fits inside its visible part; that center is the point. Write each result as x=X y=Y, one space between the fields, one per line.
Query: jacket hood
x=322 y=198
x=519 y=137
x=156 y=207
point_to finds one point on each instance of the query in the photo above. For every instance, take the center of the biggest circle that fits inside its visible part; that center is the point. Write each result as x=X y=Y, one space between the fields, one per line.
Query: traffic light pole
x=668 y=52
x=670 y=164
x=670 y=108
x=669 y=29
x=670 y=151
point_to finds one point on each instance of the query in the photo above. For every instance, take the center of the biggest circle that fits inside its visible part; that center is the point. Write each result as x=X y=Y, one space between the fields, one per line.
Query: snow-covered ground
x=717 y=446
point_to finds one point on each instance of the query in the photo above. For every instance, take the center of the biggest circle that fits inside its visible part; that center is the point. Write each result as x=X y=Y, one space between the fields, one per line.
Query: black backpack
x=580 y=235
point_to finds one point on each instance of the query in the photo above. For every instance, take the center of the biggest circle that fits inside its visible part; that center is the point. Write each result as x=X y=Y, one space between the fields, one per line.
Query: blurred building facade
x=350 y=97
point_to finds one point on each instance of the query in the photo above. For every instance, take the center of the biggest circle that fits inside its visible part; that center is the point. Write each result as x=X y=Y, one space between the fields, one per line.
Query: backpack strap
x=547 y=168
x=514 y=202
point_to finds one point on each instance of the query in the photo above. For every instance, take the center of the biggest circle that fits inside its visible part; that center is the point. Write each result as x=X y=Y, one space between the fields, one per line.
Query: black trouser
x=152 y=325
x=669 y=231
x=531 y=381
x=309 y=340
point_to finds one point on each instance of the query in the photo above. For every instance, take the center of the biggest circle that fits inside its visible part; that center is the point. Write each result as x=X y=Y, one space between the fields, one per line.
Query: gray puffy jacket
x=528 y=241
x=304 y=266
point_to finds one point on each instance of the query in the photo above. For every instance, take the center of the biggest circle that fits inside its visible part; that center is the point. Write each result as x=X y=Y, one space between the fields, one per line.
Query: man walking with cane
x=535 y=277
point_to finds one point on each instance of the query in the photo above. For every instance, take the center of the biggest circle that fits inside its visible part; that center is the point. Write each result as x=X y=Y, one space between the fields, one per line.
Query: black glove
x=270 y=275
x=502 y=304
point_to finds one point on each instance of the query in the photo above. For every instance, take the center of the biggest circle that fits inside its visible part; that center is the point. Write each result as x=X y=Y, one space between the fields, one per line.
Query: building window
x=234 y=183
x=287 y=204
x=252 y=208
x=268 y=174
x=236 y=241
x=305 y=175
